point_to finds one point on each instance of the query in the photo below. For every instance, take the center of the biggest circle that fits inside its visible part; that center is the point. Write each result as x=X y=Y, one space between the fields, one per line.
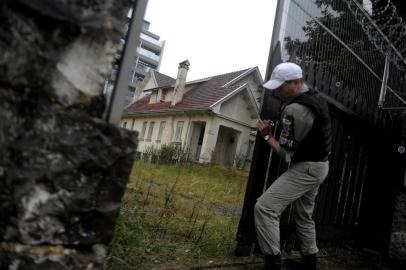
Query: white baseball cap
x=282 y=73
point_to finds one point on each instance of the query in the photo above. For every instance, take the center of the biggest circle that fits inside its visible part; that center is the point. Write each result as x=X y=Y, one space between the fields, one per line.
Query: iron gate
x=355 y=202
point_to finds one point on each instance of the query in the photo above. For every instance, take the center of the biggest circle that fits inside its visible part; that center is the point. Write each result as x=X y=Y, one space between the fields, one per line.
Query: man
x=305 y=143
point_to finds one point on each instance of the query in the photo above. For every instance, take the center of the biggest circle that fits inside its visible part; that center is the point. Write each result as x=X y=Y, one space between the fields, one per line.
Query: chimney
x=180 y=82
x=140 y=85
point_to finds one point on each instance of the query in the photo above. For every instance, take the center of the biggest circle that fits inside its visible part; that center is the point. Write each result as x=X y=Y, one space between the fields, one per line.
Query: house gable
x=253 y=79
x=154 y=79
x=240 y=107
x=148 y=82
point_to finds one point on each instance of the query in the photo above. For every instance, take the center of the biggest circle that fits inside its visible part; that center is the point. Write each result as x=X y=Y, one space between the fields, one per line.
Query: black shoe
x=243 y=250
x=309 y=262
x=273 y=262
x=293 y=264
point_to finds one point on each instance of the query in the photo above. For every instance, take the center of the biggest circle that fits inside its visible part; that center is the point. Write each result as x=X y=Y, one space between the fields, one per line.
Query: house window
x=179 y=129
x=150 y=130
x=144 y=128
x=163 y=95
x=161 y=130
x=154 y=97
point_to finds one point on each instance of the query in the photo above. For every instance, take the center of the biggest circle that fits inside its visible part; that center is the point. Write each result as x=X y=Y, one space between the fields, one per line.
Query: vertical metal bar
x=404 y=179
x=384 y=87
x=246 y=234
x=116 y=103
x=275 y=34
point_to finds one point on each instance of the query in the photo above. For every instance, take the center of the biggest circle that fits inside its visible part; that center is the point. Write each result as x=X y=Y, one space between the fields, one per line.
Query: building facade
x=148 y=57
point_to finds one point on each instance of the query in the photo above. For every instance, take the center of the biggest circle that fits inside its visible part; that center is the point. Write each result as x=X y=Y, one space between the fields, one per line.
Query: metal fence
x=339 y=40
x=329 y=40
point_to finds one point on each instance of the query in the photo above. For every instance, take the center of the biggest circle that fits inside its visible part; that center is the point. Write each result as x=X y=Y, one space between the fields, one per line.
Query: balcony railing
x=148 y=54
x=142 y=67
x=151 y=40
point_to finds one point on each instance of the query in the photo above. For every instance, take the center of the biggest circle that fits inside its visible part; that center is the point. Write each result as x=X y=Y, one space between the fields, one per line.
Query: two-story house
x=214 y=116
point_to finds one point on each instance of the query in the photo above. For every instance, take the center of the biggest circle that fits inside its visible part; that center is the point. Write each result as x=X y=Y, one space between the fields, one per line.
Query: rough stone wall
x=63 y=170
x=397 y=249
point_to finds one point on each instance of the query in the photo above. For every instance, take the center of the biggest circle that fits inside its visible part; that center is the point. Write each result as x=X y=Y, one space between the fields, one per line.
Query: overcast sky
x=216 y=36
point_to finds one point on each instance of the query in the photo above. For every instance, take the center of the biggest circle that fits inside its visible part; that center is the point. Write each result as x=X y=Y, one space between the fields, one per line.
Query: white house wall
x=213 y=124
x=153 y=97
x=253 y=84
x=149 y=84
x=209 y=140
x=244 y=133
x=168 y=135
x=126 y=123
x=236 y=108
x=138 y=122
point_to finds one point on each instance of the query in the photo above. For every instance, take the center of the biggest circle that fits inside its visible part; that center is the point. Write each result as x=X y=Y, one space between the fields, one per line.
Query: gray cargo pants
x=298 y=185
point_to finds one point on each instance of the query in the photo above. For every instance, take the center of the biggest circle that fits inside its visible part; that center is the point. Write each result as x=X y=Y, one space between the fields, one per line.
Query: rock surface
x=63 y=170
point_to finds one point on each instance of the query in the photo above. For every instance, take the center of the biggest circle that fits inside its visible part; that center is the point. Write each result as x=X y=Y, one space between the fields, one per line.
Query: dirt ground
x=344 y=260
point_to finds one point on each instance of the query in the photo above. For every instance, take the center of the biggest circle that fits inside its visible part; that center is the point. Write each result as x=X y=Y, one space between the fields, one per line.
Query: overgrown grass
x=174 y=217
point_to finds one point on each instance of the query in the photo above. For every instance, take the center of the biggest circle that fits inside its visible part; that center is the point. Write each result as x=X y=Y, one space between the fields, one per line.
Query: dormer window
x=163 y=95
x=158 y=95
x=154 y=97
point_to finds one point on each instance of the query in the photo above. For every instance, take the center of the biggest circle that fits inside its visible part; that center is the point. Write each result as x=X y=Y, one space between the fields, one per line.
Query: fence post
x=246 y=234
x=397 y=241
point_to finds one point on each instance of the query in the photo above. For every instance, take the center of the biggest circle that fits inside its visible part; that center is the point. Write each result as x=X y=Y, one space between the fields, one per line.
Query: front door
x=200 y=142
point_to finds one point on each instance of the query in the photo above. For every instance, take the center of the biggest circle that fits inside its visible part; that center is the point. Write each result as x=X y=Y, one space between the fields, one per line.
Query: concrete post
x=209 y=140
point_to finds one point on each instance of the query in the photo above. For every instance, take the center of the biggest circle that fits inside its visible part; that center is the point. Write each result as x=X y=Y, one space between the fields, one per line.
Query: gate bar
x=115 y=105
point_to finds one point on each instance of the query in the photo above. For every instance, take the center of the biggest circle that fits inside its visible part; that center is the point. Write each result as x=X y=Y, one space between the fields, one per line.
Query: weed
x=166 y=154
x=240 y=160
x=179 y=214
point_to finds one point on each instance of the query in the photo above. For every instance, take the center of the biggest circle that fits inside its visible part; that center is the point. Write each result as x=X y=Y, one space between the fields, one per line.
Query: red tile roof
x=200 y=97
x=162 y=79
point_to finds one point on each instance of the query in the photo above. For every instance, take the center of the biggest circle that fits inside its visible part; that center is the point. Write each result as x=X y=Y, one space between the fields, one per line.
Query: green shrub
x=166 y=154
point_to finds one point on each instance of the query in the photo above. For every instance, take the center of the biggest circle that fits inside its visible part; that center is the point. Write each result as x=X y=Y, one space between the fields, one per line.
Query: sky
x=216 y=36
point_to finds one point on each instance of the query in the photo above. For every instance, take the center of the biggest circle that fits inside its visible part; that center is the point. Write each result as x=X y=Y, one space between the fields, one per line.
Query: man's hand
x=264 y=127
